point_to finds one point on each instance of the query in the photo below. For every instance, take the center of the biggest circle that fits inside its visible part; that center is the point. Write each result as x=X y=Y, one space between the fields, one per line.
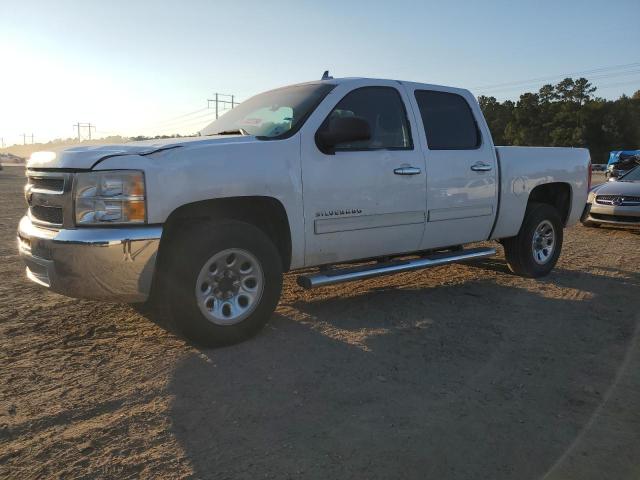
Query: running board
x=341 y=275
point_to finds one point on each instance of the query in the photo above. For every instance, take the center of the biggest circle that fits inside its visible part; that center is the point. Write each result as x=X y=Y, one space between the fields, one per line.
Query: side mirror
x=341 y=130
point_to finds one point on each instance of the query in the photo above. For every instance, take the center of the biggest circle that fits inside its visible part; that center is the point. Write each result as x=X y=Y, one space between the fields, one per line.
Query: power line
x=562 y=75
x=184 y=121
x=201 y=118
x=220 y=106
x=177 y=119
x=163 y=124
x=619 y=84
x=221 y=101
x=531 y=85
x=601 y=73
x=181 y=120
x=88 y=126
x=186 y=129
x=169 y=120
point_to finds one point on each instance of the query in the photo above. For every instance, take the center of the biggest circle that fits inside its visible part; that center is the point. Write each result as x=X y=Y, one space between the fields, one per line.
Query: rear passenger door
x=461 y=168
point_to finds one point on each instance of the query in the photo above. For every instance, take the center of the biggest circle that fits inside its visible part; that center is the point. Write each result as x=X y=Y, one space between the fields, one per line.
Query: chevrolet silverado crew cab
x=384 y=175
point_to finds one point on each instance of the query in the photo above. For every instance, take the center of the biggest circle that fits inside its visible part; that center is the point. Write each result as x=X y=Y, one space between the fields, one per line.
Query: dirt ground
x=460 y=372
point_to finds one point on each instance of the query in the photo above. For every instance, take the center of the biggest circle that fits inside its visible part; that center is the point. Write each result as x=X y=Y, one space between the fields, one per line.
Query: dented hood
x=85 y=157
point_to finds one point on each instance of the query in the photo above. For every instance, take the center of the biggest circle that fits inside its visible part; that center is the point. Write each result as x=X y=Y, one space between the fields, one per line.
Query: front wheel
x=225 y=280
x=536 y=249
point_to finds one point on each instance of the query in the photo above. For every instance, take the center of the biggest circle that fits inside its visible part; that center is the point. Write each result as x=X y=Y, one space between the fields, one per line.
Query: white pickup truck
x=385 y=175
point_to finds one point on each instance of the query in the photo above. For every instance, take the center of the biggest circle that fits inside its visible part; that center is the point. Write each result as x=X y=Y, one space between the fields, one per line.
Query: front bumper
x=114 y=264
x=612 y=215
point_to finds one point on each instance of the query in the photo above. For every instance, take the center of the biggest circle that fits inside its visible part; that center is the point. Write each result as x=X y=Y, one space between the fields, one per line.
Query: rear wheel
x=536 y=249
x=224 y=281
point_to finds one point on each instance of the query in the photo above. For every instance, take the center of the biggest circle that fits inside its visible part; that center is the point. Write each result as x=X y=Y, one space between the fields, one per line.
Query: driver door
x=367 y=198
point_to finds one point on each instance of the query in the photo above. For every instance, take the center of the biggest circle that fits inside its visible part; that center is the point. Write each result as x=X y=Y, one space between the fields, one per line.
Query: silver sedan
x=615 y=203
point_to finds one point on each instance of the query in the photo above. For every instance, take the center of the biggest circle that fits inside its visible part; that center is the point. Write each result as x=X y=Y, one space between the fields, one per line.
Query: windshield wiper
x=237 y=131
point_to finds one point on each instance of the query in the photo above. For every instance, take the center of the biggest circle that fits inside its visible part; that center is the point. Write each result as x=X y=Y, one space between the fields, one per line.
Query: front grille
x=615 y=218
x=47 y=183
x=49 y=197
x=618 y=200
x=47 y=214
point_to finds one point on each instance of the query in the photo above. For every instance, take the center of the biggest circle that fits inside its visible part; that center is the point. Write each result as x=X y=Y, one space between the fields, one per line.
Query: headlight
x=110 y=197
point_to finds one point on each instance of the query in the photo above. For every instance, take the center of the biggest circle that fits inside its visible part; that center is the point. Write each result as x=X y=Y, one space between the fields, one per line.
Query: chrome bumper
x=114 y=264
x=612 y=215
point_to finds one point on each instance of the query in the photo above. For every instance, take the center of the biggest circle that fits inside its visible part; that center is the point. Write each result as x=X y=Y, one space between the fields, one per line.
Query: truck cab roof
x=384 y=81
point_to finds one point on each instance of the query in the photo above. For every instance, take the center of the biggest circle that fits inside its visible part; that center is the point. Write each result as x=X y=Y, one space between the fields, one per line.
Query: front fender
x=203 y=172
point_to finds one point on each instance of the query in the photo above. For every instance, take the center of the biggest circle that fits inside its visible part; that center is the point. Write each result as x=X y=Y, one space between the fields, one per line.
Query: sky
x=142 y=67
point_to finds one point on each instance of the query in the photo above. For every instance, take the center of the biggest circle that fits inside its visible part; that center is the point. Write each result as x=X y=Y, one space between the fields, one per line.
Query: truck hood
x=618 y=188
x=85 y=157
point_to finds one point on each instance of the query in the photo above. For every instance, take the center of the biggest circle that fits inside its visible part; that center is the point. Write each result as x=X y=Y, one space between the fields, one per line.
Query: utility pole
x=224 y=102
x=2 y=142
x=24 y=139
x=88 y=126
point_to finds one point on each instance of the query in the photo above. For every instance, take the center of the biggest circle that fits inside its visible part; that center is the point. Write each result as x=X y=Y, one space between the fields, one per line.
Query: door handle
x=481 y=167
x=407 y=171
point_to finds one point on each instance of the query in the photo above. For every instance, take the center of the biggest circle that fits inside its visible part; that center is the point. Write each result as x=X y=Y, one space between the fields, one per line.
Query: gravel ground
x=459 y=372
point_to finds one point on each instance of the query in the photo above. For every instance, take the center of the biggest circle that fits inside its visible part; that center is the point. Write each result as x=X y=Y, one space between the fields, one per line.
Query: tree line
x=567 y=114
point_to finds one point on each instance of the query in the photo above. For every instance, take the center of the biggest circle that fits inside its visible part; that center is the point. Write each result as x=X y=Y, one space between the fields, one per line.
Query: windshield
x=274 y=114
x=631 y=176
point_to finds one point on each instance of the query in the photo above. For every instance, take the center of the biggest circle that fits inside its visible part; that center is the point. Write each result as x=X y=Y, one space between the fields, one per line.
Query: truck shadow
x=474 y=380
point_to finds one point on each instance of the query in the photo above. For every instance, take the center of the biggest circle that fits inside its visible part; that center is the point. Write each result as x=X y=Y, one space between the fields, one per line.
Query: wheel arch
x=266 y=213
x=556 y=194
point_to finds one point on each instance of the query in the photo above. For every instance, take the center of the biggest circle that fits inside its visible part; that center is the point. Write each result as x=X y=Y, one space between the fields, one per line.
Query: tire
x=212 y=299
x=541 y=223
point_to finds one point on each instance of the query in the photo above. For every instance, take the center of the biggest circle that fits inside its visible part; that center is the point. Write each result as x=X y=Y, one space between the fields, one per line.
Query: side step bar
x=342 y=275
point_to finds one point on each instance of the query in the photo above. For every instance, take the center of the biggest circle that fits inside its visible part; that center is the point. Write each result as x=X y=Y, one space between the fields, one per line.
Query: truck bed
x=524 y=168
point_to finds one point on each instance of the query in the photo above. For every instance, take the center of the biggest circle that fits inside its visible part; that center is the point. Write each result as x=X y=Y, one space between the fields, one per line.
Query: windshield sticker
x=252 y=121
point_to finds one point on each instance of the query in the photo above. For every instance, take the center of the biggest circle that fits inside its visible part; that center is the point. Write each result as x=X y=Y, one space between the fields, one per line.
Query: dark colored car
x=620 y=162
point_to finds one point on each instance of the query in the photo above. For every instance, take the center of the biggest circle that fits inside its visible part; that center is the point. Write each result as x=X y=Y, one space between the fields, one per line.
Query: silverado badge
x=334 y=213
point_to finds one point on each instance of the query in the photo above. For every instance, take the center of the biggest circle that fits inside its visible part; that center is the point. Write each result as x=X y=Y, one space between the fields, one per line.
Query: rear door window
x=448 y=121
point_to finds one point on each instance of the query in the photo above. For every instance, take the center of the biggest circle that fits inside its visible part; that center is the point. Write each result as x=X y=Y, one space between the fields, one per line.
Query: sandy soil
x=460 y=372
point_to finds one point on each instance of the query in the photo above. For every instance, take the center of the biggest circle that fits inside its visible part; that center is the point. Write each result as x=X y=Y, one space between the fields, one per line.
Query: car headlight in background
x=108 y=197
